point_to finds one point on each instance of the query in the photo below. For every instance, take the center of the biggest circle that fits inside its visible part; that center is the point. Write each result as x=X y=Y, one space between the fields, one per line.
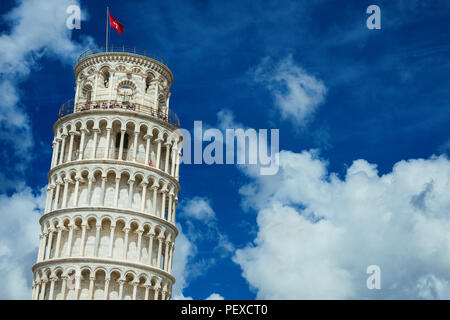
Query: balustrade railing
x=113 y=49
x=70 y=107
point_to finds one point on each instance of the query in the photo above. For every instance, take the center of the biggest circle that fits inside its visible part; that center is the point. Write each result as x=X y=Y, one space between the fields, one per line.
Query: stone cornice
x=122 y=163
x=136 y=59
x=131 y=213
x=124 y=112
x=103 y=261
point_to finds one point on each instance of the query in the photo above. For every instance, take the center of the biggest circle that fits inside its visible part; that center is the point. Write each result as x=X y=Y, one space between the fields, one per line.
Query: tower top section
x=124 y=78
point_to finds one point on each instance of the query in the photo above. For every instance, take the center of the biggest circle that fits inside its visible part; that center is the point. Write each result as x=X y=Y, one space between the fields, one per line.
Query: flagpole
x=107 y=16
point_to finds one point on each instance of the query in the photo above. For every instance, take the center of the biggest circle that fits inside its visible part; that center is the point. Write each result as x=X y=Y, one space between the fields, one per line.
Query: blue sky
x=386 y=100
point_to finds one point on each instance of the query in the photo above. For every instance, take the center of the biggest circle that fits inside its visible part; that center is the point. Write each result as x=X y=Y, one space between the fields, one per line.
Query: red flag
x=115 y=24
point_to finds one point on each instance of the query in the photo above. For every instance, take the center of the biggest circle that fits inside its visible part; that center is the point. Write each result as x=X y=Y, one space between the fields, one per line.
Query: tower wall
x=108 y=231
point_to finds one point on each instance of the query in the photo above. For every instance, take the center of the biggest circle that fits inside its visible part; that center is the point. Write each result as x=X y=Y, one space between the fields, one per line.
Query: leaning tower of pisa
x=108 y=231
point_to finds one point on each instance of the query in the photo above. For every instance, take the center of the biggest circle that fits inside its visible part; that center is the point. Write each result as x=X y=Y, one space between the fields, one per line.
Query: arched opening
x=104 y=72
x=148 y=81
x=125 y=140
x=87 y=93
x=125 y=91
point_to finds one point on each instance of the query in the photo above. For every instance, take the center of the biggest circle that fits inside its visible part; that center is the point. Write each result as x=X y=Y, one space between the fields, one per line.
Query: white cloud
x=19 y=241
x=184 y=251
x=318 y=232
x=201 y=222
x=297 y=94
x=215 y=296
x=38 y=28
x=198 y=208
x=186 y=268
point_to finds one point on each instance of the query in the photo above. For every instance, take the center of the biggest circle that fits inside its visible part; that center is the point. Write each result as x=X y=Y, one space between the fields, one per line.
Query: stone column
x=160 y=241
x=58 y=188
x=97 y=239
x=147 y=139
x=107 y=142
x=116 y=193
x=156 y=96
x=63 y=287
x=122 y=136
x=166 y=162
x=111 y=241
x=52 y=287
x=43 y=287
x=58 y=241
x=103 y=192
x=94 y=149
x=135 y=284
x=55 y=152
x=174 y=209
x=49 y=243
x=89 y=191
x=169 y=208
x=139 y=243
x=174 y=160
x=158 y=153
x=122 y=282
x=41 y=243
x=147 y=290
x=77 y=287
x=135 y=145
x=44 y=245
x=150 y=248
x=61 y=157
x=91 y=287
x=106 y=293
x=77 y=92
x=95 y=86
x=50 y=189
x=66 y=188
x=83 y=237
x=163 y=202
x=33 y=292
x=166 y=256
x=157 y=288
x=69 y=156
x=130 y=193
x=125 y=243
x=82 y=141
x=144 y=193
x=177 y=167
x=75 y=192
x=155 y=195
x=69 y=240
x=172 y=247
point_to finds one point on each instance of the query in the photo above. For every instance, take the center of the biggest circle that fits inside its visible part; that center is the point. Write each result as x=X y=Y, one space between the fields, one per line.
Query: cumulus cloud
x=184 y=251
x=201 y=222
x=198 y=208
x=215 y=296
x=37 y=29
x=199 y=218
x=318 y=232
x=297 y=94
x=19 y=241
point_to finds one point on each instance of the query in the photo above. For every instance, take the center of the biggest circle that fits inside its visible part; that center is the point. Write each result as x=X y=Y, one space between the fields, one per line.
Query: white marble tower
x=108 y=231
